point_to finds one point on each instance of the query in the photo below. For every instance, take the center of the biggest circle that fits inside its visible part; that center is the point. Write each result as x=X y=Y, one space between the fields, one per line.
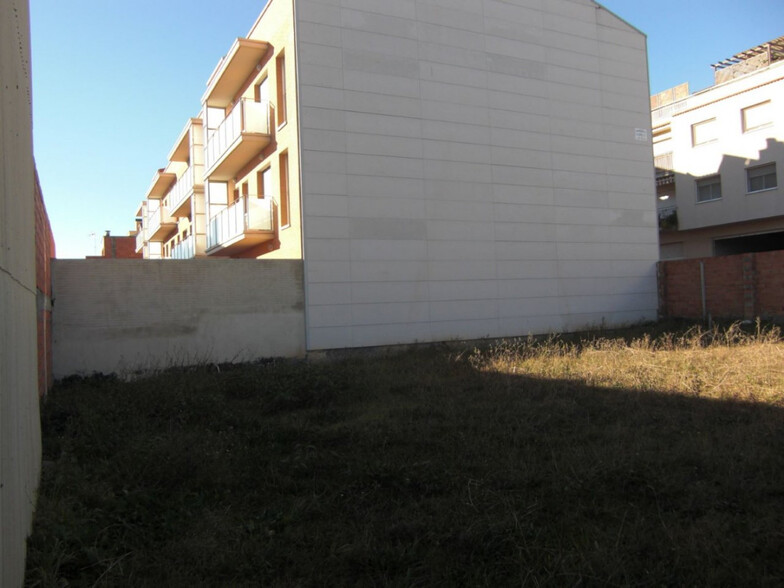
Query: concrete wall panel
x=20 y=438
x=480 y=159
x=123 y=315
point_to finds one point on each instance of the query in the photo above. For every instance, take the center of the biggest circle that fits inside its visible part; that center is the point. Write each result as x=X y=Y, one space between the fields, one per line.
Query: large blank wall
x=125 y=315
x=473 y=168
x=20 y=438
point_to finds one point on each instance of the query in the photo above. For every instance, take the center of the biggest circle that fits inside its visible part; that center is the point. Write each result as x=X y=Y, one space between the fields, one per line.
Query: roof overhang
x=161 y=182
x=181 y=149
x=233 y=71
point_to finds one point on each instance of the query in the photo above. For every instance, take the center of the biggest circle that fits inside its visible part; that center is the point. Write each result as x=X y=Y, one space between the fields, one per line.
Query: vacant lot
x=600 y=460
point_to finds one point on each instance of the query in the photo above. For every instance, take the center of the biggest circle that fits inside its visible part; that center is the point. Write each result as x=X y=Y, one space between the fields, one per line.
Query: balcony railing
x=140 y=239
x=668 y=218
x=180 y=192
x=242 y=134
x=251 y=219
x=159 y=225
x=184 y=250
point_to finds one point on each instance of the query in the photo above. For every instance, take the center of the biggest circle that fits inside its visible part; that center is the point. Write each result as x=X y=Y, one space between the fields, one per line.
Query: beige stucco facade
x=20 y=440
x=238 y=160
x=720 y=153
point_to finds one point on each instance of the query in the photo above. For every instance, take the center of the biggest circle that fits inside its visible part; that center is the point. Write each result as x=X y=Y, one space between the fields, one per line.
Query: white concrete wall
x=472 y=168
x=122 y=315
x=20 y=437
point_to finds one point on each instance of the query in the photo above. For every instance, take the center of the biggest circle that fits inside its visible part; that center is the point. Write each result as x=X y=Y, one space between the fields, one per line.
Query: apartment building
x=227 y=189
x=718 y=154
x=444 y=169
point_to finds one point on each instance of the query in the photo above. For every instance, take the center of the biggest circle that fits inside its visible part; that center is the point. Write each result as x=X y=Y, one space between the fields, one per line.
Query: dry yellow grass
x=718 y=364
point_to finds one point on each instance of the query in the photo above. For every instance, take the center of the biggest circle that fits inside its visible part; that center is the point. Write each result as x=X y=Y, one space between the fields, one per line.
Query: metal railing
x=153 y=221
x=140 y=239
x=247 y=117
x=249 y=213
x=184 y=250
x=181 y=190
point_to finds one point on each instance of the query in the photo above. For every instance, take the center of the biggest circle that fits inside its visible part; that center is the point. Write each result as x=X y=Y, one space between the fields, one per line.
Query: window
x=284 y=189
x=756 y=117
x=703 y=132
x=280 y=74
x=762 y=177
x=261 y=91
x=264 y=182
x=708 y=188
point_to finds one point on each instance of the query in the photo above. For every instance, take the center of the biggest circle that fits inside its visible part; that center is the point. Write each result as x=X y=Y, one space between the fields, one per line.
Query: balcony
x=160 y=184
x=668 y=218
x=177 y=199
x=233 y=71
x=184 y=250
x=247 y=222
x=140 y=239
x=160 y=225
x=241 y=136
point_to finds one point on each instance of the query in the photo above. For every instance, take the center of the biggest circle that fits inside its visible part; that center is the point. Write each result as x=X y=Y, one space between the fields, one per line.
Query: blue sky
x=114 y=83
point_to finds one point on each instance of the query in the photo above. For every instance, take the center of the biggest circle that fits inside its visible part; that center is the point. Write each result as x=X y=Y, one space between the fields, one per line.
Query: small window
x=264 y=182
x=709 y=188
x=703 y=132
x=280 y=74
x=762 y=177
x=284 y=189
x=756 y=117
x=261 y=91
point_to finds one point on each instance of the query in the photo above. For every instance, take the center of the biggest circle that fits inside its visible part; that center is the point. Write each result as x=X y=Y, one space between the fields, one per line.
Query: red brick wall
x=770 y=284
x=736 y=286
x=44 y=252
x=120 y=247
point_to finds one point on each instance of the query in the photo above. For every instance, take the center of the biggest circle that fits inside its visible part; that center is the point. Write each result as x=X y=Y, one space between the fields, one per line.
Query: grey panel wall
x=122 y=315
x=20 y=437
x=472 y=168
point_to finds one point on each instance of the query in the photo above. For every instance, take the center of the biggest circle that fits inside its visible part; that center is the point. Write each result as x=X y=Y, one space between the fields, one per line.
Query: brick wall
x=120 y=247
x=44 y=252
x=736 y=287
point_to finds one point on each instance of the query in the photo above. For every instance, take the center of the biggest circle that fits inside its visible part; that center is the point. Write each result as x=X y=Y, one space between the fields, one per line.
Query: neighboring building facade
x=446 y=169
x=719 y=154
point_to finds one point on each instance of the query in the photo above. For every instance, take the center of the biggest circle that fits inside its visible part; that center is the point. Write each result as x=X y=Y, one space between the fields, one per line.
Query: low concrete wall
x=736 y=287
x=121 y=315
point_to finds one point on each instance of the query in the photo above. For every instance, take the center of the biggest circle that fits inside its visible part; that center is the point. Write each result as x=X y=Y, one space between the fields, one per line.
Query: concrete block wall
x=472 y=169
x=736 y=287
x=20 y=438
x=122 y=315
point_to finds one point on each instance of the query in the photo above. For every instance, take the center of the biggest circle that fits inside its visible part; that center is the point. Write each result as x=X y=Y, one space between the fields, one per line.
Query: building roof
x=769 y=52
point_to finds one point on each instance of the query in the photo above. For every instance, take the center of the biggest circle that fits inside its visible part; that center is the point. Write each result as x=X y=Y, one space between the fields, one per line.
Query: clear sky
x=114 y=83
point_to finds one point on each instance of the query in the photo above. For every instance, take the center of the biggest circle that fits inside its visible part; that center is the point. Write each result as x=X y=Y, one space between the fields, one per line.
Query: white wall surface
x=20 y=437
x=121 y=315
x=472 y=168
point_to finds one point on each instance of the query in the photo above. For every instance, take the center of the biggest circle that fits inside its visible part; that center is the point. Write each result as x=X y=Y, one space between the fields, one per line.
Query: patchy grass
x=628 y=460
